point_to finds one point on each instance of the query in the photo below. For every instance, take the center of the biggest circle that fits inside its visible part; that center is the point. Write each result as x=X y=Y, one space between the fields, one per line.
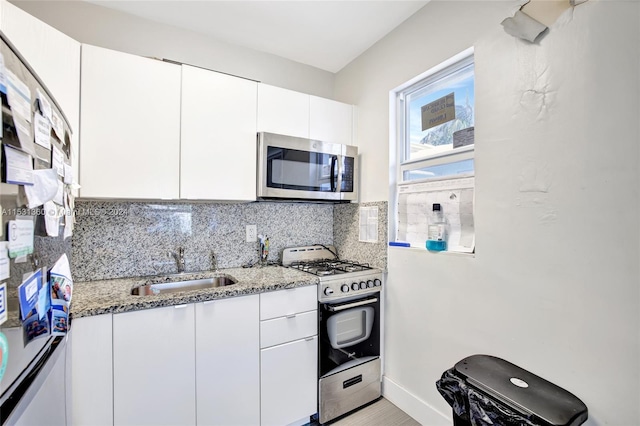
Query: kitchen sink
x=187 y=285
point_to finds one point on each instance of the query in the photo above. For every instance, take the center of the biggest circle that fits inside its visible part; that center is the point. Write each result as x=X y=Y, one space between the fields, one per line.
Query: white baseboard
x=418 y=409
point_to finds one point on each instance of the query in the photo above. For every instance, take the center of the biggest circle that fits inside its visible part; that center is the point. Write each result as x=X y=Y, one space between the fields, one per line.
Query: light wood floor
x=380 y=413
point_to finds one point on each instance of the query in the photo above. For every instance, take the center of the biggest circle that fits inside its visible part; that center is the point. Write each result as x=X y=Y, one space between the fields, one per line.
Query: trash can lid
x=521 y=390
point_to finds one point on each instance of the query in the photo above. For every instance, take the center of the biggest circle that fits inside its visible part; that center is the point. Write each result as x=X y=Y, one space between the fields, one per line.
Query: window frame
x=399 y=148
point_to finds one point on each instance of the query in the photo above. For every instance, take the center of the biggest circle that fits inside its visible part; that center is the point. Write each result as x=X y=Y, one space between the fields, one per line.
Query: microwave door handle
x=340 y=171
x=339 y=308
x=334 y=160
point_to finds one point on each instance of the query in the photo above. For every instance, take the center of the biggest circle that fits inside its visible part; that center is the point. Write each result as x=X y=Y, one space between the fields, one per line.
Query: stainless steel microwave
x=304 y=169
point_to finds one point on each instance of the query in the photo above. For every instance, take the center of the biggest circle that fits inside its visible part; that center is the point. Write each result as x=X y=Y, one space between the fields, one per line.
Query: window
x=434 y=132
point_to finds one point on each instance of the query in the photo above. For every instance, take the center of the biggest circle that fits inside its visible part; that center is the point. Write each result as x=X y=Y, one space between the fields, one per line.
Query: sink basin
x=174 y=287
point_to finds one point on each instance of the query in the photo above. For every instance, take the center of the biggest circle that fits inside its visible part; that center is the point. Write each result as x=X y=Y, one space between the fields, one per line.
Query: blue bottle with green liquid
x=437 y=230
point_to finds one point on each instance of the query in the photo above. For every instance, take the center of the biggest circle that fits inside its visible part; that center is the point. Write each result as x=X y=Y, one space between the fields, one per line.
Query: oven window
x=350 y=327
x=348 y=335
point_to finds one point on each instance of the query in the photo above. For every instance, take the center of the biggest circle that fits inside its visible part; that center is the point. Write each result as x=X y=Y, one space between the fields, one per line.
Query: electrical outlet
x=252 y=233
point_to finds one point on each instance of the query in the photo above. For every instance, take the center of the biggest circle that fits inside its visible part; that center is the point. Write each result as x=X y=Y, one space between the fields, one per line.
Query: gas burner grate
x=326 y=267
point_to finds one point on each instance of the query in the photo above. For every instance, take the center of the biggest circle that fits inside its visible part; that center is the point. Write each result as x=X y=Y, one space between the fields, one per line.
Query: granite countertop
x=114 y=296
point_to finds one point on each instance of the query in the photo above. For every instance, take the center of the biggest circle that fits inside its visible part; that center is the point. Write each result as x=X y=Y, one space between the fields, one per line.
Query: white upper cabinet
x=218 y=136
x=283 y=111
x=54 y=57
x=330 y=121
x=297 y=114
x=130 y=121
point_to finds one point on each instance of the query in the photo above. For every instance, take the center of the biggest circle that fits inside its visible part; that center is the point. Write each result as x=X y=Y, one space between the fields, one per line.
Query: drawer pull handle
x=352 y=381
x=208 y=302
x=290 y=316
x=180 y=306
x=308 y=339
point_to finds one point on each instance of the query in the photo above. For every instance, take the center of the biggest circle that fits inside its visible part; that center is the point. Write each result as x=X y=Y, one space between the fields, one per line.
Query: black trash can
x=485 y=390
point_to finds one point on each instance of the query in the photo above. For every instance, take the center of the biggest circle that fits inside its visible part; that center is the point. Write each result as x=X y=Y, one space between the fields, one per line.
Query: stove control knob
x=377 y=282
x=328 y=291
x=370 y=284
x=363 y=285
x=345 y=288
x=355 y=286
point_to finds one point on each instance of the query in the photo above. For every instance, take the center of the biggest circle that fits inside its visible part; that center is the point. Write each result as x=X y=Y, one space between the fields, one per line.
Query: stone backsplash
x=346 y=228
x=130 y=239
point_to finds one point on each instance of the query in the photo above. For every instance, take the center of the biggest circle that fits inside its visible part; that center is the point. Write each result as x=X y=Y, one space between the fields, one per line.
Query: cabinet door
x=55 y=58
x=283 y=111
x=289 y=382
x=153 y=367
x=91 y=370
x=330 y=121
x=228 y=362
x=218 y=136
x=130 y=121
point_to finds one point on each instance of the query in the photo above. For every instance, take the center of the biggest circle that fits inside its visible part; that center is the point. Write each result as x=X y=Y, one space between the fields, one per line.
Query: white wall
x=100 y=26
x=554 y=286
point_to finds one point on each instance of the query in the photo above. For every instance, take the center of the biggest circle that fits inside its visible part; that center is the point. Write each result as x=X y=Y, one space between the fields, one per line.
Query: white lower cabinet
x=153 y=367
x=289 y=382
x=288 y=356
x=207 y=363
x=91 y=360
x=228 y=361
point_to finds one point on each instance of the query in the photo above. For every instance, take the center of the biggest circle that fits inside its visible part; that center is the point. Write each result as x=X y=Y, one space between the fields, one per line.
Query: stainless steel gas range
x=349 y=369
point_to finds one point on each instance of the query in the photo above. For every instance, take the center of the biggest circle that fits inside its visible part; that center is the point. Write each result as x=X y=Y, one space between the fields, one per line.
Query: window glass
x=439 y=138
x=457 y=168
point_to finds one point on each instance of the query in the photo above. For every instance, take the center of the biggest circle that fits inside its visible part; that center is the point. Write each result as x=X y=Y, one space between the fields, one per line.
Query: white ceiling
x=324 y=34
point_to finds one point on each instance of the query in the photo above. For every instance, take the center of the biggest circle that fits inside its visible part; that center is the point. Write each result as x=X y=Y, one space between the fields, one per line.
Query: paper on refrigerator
x=18 y=166
x=58 y=125
x=3 y=75
x=42 y=130
x=25 y=135
x=61 y=285
x=45 y=105
x=57 y=160
x=3 y=305
x=44 y=188
x=20 y=237
x=51 y=219
x=28 y=294
x=18 y=96
x=4 y=260
x=69 y=217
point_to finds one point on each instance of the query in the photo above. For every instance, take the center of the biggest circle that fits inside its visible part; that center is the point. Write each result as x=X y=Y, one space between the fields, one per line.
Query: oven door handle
x=338 y=308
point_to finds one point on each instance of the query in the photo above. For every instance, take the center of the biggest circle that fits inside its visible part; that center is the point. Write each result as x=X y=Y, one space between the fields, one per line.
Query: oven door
x=297 y=168
x=349 y=333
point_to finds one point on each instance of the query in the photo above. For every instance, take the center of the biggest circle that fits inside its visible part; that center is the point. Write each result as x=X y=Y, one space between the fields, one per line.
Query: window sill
x=435 y=253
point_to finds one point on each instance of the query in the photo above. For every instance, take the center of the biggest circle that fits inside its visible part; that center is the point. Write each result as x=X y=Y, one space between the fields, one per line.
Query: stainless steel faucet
x=214 y=261
x=179 y=257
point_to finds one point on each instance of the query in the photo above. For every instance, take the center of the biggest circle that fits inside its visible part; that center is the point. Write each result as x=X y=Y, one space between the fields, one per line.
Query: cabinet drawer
x=287 y=302
x=286 y=329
